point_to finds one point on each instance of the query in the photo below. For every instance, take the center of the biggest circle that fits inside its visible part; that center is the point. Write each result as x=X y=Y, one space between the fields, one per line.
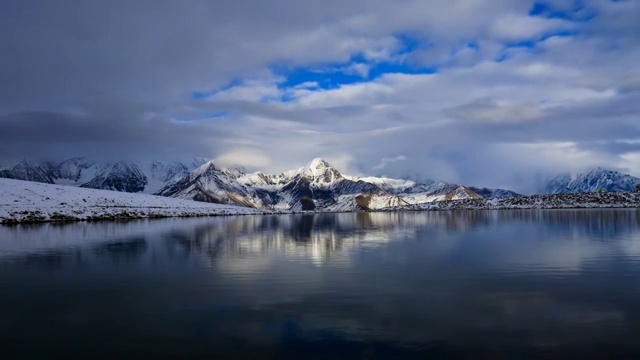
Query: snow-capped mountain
x=209 y=184
x=315 y=186
x=27 y=170
x=317 y=181
x=591 y=181
x=318 y=185
x=119 y=176
x=73 y=171
x=329 y=189
x=127 y=176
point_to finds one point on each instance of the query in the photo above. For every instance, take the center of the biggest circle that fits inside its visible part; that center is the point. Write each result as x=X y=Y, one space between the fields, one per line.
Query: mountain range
x=315 y=186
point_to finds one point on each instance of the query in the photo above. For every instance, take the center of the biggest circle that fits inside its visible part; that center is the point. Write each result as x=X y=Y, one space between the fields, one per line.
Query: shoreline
x=36 y=217
x=613 y=200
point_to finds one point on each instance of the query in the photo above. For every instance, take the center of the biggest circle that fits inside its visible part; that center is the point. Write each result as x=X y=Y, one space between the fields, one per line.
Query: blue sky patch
x=530 y=44
x=578 y=13
x=337 y=75
x=409 y=43
x=334 y=75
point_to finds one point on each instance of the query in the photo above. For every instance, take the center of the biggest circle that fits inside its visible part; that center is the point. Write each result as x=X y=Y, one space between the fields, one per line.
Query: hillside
x=22 y=201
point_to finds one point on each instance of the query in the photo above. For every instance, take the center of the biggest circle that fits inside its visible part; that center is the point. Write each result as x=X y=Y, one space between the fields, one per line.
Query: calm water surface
x=506 y=284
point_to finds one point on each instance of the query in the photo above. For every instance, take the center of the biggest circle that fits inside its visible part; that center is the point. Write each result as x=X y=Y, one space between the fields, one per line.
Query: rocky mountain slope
x=552 y=201
x=590 y=181
x=316 y=186
x=494 y=193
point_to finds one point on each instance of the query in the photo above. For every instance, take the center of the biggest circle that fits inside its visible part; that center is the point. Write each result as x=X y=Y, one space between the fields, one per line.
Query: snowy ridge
x=31 y=201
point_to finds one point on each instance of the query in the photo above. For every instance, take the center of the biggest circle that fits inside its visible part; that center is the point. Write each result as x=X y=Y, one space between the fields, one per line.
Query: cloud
x=494 y=110
x=514 y=27
x=360 y=69
x=386 y=161
x=244 y=158
x=126 y=133
x=233 y=81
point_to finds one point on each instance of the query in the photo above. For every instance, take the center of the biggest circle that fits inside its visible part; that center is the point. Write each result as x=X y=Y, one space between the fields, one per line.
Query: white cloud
x=631 y=162
x=244 y=158
x=307 y=85
x=512 y=27
x=360 y=69
x=386 y=161
x=498 y=110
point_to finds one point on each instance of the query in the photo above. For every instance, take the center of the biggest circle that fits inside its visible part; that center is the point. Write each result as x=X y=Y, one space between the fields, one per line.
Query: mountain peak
x=204 y=168
x=318 y=163
x=321 y=172
x=597 y=170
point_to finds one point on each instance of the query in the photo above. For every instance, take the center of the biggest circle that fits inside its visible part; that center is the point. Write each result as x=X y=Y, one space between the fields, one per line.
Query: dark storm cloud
x=52 y=135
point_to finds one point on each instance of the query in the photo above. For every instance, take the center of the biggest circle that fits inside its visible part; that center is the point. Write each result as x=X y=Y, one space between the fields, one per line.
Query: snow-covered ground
x=23 y=201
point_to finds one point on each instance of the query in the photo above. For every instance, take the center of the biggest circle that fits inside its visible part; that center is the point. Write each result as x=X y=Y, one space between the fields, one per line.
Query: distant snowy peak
x=119 y=176
x=128 y=176
x=591 y=181
x=167 y=171
x=28 y=170
x=72 y=169
x=320 y=172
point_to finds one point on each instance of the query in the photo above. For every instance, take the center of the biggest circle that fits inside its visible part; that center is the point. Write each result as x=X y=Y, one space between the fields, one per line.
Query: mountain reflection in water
x=476 y=284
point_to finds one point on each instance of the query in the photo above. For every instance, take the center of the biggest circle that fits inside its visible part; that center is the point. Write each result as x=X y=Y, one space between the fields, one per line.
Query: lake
x=475 y=284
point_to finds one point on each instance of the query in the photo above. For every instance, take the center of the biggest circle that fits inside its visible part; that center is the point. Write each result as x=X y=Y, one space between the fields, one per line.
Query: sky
x=481 y=92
